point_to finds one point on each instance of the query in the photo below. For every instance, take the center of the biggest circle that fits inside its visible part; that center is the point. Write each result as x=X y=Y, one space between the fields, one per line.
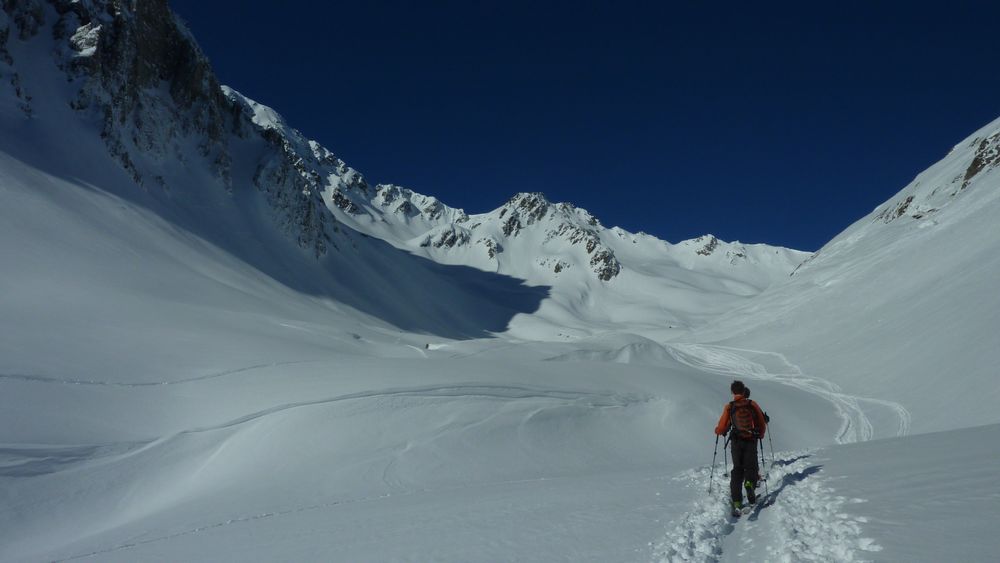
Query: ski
x=737 y=511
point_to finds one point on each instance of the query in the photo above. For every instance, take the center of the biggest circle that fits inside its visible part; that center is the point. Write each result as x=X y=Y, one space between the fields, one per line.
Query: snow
x=85 y=39
x=180 y=381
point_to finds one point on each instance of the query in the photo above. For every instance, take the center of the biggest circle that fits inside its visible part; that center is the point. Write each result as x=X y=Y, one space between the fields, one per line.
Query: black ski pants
x=745 y=467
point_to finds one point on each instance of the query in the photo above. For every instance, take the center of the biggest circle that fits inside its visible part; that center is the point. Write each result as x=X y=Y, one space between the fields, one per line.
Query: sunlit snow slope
x=219 y=343
x=902 y=306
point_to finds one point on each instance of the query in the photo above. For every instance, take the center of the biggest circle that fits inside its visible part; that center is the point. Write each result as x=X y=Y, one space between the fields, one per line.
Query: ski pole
x=725 y=455
x=767 y=420
x=715 y=452
x=763 y=465
x=772 y=448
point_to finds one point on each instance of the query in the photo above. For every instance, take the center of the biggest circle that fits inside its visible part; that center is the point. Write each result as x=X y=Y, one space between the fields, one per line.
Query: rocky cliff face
x=143 y=75
x=18 y=21
x=135 y=70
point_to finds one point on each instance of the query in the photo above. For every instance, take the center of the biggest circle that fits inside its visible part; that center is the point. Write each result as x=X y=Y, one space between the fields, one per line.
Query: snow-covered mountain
x=902 y=305
x=557 y=245
x=131 y=77
x=220 y=342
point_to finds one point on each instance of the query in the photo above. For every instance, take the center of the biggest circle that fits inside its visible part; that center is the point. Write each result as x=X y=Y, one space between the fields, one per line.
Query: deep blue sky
x=751 y=121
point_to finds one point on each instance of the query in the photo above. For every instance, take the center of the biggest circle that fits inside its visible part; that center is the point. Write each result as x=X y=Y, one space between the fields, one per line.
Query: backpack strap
x=753 y=418
x=732 y=417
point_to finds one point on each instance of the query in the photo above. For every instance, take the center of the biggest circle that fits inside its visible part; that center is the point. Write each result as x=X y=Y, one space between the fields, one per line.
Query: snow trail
x=799 y=519
x=855 y=426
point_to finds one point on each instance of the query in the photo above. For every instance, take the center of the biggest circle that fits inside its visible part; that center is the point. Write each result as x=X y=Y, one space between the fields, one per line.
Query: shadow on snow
x=410 y=292
x=786 y=480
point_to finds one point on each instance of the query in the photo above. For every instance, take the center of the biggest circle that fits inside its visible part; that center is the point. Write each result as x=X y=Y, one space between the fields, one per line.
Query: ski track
x=855 y=426
x=28 y=456
x=472 y=390
x=30 y=459
x=801 y=519
x=59 y=381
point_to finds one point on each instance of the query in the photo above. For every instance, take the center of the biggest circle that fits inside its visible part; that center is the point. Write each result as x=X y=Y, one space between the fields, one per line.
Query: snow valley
x=220 y=342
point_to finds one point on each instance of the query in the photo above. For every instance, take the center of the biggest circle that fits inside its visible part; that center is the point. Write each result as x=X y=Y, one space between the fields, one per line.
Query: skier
x=744 y=421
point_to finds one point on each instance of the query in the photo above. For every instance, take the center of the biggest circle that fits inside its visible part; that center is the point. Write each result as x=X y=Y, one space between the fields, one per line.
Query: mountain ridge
x=132 y=73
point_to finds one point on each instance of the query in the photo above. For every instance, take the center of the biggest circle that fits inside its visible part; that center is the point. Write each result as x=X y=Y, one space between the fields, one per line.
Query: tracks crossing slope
x=772 y=366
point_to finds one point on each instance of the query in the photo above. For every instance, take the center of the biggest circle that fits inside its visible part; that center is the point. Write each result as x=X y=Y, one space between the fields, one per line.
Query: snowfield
x=250 y=354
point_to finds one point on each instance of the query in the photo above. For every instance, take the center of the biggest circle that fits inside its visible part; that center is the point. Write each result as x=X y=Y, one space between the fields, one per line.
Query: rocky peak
x=137 y=71
x=407 y=203
x=709 y=245
x=564 y=222
x=522 y=210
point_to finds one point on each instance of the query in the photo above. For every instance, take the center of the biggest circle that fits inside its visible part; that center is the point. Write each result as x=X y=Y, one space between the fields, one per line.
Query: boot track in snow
x=800 y=519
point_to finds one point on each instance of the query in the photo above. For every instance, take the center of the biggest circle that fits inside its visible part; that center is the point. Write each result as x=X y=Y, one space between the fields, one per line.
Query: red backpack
x=743 y=420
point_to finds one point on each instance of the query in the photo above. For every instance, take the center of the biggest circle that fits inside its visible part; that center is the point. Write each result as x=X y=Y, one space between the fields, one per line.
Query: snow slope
x=328 y=449
x=902 y=305
x=206 y=356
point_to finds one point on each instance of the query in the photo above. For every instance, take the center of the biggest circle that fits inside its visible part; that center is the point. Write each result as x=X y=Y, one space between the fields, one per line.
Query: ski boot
x=750 y=486
x=737 y=508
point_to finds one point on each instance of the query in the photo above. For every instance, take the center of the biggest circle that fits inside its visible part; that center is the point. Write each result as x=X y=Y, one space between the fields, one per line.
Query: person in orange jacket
x=744 y=421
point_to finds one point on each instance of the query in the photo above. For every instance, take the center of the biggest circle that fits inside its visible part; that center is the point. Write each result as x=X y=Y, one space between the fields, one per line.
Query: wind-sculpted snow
x=32 y=461
x=458 y=392
x=323 y=452
x=28 y=461
x=626 y=349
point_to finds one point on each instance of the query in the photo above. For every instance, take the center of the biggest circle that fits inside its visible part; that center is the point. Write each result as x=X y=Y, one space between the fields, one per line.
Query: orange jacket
x=758 y=415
